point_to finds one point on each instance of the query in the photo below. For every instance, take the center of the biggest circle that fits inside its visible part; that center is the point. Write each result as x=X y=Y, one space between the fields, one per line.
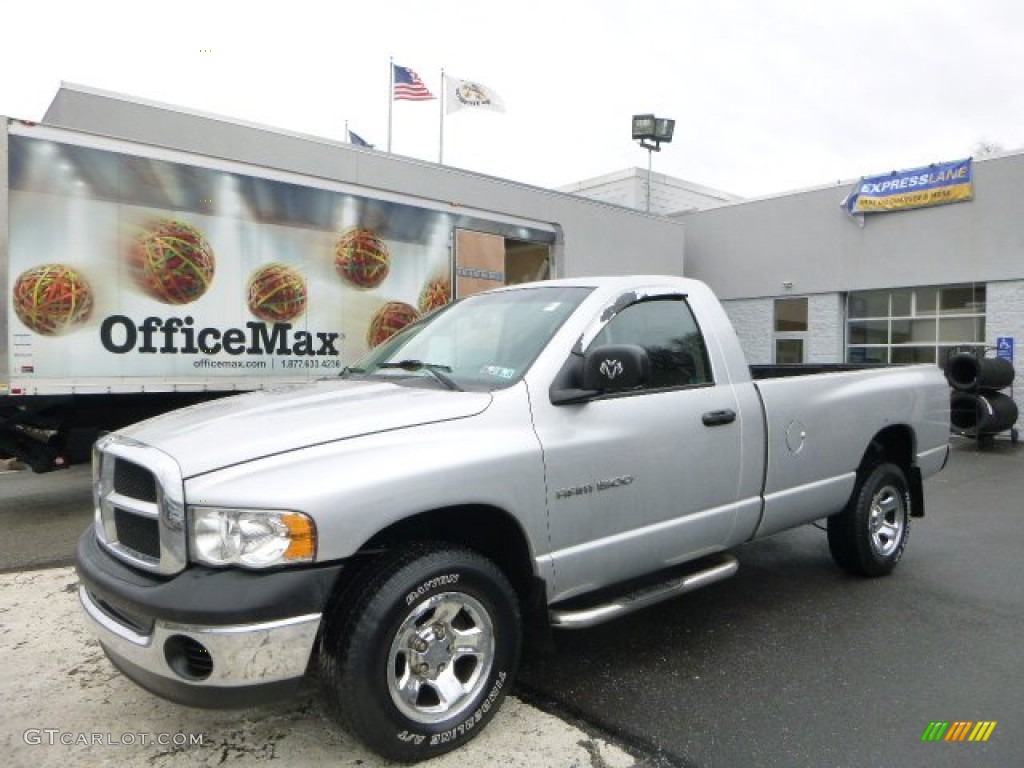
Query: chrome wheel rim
x=887 y=520
x=441 y=657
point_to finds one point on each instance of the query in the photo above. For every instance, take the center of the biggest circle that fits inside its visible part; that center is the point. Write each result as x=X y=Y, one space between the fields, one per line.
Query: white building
x=668 y=194
x=805 y=282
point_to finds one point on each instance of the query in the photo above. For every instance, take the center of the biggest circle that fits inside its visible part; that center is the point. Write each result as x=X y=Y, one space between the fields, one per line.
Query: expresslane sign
x=935 y=184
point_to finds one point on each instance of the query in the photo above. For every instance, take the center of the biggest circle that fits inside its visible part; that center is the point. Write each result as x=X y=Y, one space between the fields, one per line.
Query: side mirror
x=615 y=368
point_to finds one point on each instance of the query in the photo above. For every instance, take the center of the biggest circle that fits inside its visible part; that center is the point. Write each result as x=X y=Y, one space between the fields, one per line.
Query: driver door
x=639 y=480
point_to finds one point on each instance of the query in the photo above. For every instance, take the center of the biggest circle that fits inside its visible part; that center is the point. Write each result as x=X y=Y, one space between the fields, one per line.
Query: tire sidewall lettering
x=430 y=585
x=355 y=657
x=467 y=724
x=470 y=722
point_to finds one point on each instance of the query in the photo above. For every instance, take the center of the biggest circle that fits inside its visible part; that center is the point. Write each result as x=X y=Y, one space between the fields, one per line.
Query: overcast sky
x=768 y=95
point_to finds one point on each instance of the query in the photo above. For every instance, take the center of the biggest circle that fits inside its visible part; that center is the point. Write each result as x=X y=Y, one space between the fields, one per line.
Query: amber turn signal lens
x=302 y=533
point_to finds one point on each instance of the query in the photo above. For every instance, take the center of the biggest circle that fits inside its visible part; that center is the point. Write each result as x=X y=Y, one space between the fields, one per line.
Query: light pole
x=646 y=129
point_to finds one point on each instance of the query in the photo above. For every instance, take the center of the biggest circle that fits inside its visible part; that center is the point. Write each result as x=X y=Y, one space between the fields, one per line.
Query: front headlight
x=256 y=538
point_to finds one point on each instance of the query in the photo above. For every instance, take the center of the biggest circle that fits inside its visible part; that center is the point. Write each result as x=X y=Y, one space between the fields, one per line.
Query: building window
x=914 y=325
x=790 y=331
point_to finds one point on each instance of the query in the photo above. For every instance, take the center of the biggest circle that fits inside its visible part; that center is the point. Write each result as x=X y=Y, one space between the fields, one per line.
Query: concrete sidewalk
x=65 y=705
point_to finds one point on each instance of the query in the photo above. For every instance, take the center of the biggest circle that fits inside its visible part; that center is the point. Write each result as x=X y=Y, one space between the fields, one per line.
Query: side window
x=667 y=330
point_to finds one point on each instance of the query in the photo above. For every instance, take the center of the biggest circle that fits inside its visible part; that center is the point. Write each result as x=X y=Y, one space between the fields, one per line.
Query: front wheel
x=868 y=537
x=418 y=661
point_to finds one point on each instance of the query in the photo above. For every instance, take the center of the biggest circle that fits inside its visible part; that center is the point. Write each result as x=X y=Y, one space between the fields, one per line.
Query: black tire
x=405 y=611
x=868 y=537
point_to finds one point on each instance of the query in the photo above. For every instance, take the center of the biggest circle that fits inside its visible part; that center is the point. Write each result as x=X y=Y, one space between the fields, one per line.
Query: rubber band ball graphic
x=435 y=294
x=361 y=258
x=173 y=262
x=52 y=298
x=277 y=293
x=389 y=320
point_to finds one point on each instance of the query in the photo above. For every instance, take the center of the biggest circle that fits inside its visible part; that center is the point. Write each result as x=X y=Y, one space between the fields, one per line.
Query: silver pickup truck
x=555 y=454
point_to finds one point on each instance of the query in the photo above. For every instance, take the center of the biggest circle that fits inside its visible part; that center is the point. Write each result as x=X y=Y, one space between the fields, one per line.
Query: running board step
x=725 y=567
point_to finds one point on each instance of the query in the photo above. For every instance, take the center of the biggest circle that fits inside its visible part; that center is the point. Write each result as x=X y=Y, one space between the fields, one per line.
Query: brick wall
x=826 y=332
x=752 y=319
x=1004 y=316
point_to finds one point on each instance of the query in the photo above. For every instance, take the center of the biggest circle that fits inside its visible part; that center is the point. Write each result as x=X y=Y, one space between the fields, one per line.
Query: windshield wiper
x=349 y=369
x=439 y=372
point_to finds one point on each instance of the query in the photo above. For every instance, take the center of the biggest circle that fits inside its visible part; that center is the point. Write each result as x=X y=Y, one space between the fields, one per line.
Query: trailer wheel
x=418 y=659
x=868 y=537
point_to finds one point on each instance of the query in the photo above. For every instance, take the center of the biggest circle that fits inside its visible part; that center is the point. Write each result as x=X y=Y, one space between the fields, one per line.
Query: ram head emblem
x=611 y=369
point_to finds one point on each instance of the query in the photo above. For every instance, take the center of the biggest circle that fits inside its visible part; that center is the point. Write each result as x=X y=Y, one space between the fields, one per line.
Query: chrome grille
x=140 y=514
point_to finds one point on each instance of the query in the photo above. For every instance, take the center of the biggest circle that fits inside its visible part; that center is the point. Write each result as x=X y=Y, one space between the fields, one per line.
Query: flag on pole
x=407 y=86
x=359 y=141
x=465 y=94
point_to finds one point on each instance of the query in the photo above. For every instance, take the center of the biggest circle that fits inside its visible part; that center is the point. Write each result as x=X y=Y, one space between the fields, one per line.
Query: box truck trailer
x=152 y=258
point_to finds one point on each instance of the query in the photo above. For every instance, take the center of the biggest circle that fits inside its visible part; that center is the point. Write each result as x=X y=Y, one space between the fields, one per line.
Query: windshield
x=486 y=341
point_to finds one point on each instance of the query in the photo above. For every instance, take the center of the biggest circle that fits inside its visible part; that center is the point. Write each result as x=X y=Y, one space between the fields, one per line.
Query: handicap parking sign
x=1004 y=347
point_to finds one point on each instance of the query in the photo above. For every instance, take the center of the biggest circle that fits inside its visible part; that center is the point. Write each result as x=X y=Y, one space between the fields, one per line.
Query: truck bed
x=782 y=371
x=810 y=473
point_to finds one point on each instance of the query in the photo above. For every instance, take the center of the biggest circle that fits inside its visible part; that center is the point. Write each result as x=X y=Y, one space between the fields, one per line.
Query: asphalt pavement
x=790 y=663
x=793 y=663
x=42 y=517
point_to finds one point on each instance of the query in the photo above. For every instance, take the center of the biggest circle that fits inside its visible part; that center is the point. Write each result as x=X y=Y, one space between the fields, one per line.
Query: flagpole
x=391 y=95
x=440 y=143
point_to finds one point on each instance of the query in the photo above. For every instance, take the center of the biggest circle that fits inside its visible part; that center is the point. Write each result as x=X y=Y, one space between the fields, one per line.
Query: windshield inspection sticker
x=498 y=372
x=552 y=306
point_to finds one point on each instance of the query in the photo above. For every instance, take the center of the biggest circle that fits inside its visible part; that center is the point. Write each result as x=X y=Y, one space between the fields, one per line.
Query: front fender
x=355 y=488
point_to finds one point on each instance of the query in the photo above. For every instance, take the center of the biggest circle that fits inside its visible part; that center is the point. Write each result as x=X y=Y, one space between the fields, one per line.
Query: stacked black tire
x=977 y=406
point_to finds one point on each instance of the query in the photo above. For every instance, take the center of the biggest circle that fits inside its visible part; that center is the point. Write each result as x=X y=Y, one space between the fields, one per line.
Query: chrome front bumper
x=240 y=656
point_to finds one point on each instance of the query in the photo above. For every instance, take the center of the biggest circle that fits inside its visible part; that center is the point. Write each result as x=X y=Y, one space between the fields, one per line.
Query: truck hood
x=234 y=430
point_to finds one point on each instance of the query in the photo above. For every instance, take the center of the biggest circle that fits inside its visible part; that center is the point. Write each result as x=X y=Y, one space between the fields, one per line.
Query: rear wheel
x=868 y=537
x=420 y=657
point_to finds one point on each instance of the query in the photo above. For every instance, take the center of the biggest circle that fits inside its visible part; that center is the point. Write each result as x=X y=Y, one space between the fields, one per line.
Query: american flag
x=408 y=86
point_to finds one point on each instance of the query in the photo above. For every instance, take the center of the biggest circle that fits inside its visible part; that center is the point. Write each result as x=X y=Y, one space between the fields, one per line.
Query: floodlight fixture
x=651 y=132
